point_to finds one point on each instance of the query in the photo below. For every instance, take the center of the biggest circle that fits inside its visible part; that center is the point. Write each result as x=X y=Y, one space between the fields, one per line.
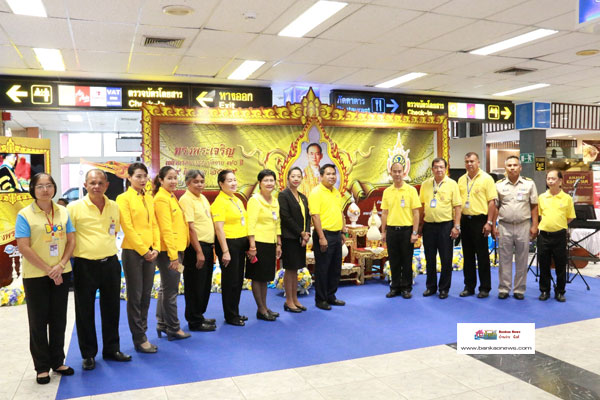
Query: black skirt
x=293 y=255
x=263 y=270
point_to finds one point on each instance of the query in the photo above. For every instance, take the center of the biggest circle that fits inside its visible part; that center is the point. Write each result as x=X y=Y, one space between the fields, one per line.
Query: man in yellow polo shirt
x=400 y=206
x=96 y=266
x=325 y=204
x=441 y=202
x=557 y=211
x=478 y=193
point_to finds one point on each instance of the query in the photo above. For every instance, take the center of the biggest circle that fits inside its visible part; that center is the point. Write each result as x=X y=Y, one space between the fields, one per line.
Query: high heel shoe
x=177 y=336
x=290 y=309
x=148 y=350
x=301 y=308
x=273 y=313
x=265 y=317
x=159 y=332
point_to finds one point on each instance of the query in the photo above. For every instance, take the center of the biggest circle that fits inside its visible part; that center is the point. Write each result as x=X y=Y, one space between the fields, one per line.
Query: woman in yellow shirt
x=264 y=236
x=140 y=248
x=46 y=239
x=173 y=241
x=230 y=219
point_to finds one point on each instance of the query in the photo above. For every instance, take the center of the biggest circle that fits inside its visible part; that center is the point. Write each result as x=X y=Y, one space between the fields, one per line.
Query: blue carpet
x=368 y=325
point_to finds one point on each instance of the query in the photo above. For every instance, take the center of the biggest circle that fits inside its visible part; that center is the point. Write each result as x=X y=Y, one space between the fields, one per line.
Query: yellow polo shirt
x=231 y=211
x=196 y=209
x=447 y=196
x=478 y=191
x=95 y=231
x=392 y=200
x=138 y=221
x=33 y=223
x=263 y=219
x=555 y=210
x=174 y=234
x=327 y=204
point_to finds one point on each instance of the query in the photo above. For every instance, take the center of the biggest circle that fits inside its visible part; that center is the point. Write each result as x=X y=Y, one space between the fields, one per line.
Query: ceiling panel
x=364 y=56
x=564 y=22
x=476 y=9
x=412 y=58
x=288 y=71
x=429 y=82
x=117 y=11
x=230 y=15
x=585 y=77
x=367 y=77
x=570 y=55
x=9 y=58
x=466 y=84
x=115 y=37
x=101 y=61
x=328 y=74
x=204 y=66
x=152 y=13
x=551 y=45
x=484 y=65
x=366 y=24
x=321 y=51
x=532 y=11
x=271 y=48
x=156 y=64
x=448 y=62
x=19 y=29
x=421 y=5
x=233 y=64
x=219 y=44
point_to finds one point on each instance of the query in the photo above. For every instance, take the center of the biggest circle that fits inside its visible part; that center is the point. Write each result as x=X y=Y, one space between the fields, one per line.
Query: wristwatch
x=490 y=222
x=457 y=227
x=415 y=233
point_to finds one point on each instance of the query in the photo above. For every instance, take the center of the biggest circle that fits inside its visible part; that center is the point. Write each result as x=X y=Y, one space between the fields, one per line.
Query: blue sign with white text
x=588 y=10
x=113 y=97
x=542 y=115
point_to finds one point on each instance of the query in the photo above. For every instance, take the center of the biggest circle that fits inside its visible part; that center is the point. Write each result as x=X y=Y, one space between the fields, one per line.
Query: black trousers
x=328 y=266
x=436 y=238
x=89 y=276
x=232 y=276
x=47 y=314
x=400 y=255
x=475 y=244
x=552 y=245
x=197 y=282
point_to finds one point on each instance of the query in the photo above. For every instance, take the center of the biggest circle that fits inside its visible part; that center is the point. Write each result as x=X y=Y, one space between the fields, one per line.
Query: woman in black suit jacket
x=295 y=233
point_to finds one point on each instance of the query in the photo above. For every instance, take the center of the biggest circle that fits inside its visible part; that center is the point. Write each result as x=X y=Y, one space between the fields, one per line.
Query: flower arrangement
x=304 y=280
x=10 y=296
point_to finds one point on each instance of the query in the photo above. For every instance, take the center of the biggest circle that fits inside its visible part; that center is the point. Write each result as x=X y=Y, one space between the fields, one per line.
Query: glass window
x=81 y=145
x=110 y=145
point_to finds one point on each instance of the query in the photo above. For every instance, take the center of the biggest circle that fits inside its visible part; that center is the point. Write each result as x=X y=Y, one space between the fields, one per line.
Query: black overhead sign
x=455 y=108
x=42 y=94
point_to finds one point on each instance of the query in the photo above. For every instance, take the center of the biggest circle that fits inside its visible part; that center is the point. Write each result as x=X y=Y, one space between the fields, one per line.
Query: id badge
x=112 y=229
x=402 y=203
x=520 y=196
x=433 y=203
x=467 y=204
x=243 y=221
x=274 y=215
x=54 y=250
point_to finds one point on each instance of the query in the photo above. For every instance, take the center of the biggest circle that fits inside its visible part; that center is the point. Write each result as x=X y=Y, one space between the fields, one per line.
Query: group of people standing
x=183 y=235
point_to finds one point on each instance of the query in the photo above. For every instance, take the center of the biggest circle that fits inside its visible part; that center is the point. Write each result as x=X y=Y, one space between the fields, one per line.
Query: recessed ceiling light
x=51 y=59
x=74 y=118
x=246 y=69
x=522 y=89
x=400 y=79
x=589 y=52
x=309 y=19
x=516 y=41
x=178 y=10
x=34 y=8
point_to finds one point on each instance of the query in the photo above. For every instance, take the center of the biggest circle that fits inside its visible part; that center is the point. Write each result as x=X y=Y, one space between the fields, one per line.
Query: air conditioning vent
x=516 y=71
x=164 y=43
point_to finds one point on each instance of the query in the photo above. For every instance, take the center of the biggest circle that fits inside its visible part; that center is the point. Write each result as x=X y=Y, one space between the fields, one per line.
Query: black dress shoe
x=302 y=308
x=429 y=292
x=203 y=327
x=64 y=372
x=243 y=318
x=290 y=309
x=406 y=294
x=519 y=296
x=148 y=350
x=88 y=364
x=544 y=296
x=323 y=305
x=43 y=380
x=466 y=293
x=391 y=293
x=117 y=356
x=482 y=294
x=443 y=295
x=560 y=297
x=211 y=321
x=273 y=313
x=265 y=317
x=235 y=322
x=337 y=302
x=177 y=336
x=503 y=295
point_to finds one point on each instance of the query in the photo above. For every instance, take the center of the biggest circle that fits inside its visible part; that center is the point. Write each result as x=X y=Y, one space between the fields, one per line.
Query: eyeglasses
x=42 y=187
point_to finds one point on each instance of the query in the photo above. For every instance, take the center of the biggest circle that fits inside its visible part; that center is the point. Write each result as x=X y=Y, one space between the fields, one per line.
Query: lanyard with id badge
x=242 y=219
x=433 y=202
x=112 y=229
x=468 y=203
x=53 y=240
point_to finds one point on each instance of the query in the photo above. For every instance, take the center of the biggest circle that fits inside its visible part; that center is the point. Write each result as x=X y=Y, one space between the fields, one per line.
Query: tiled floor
x=428 y=373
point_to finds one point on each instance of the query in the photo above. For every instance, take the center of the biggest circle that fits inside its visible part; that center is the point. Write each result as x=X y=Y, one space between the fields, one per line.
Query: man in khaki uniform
x=517 y=206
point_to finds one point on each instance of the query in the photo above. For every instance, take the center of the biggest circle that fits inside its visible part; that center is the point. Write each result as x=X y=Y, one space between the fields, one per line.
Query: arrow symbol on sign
x=202 y=98
x=394 y=105
x=14 y=93
x=506 y=112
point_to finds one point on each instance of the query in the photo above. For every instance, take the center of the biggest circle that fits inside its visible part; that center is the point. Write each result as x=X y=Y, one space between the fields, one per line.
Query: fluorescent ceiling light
x=516 y=41
x=34 y=8
x=246 y=69
x=74 y=118
x=522 y=89
x=401 y=79
x=309 y=19
x=51 y=59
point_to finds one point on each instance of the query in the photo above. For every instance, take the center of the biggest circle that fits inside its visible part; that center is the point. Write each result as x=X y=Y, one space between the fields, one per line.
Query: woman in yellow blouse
x=230 y=219
x=46 y=238
x=264 y=236
x=140 y=248
x=173 y=241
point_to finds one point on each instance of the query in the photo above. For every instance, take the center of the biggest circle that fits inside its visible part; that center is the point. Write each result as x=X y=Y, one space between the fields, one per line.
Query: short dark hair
x=511 y=157
x=192 y=174
x=35 y=180
x=135 y=166
x=264 y=173
x=314 y=145
x=324 y=167
x=472 y=153
x=96 y=170
x=222 y=174
x=294 y=169
x=439 y=159
x=64 y=200
x=558 y=172
x=161 y=175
